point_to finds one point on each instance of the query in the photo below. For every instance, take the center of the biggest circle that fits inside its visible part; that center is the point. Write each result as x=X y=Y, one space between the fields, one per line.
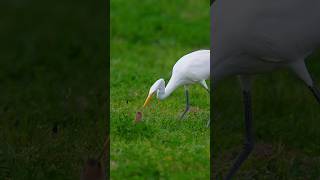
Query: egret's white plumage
x=192 y=68
x=189 y=69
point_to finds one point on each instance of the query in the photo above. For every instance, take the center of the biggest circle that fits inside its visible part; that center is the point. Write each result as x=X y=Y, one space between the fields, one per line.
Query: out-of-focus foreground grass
x=53 y=88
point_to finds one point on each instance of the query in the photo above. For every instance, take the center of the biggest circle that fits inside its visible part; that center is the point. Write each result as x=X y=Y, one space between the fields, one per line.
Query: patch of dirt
x=194 y=109
x=263 y=151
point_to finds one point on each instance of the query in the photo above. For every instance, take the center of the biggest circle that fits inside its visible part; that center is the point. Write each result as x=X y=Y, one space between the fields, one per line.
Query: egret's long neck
x=165 y=91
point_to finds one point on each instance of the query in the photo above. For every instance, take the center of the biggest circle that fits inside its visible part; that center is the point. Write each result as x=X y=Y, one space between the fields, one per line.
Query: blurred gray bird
x=258 y=36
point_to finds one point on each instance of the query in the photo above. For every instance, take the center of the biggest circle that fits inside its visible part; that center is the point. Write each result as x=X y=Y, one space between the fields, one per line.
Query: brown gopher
x=95 y=169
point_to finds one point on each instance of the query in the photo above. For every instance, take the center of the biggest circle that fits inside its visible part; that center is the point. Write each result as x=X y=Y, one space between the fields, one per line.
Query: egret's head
x=153 y=90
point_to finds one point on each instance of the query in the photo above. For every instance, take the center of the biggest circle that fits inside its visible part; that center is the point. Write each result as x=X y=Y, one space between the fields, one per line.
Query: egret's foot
x=187 y=103
x=183 y=115
x=208 y=123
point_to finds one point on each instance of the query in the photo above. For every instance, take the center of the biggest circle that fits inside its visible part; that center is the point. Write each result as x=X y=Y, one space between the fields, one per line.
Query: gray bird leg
x=302 y=72
x=316 y=92
x=187 y=103
x=204 y=84
x=249 y=142
x=208 y=123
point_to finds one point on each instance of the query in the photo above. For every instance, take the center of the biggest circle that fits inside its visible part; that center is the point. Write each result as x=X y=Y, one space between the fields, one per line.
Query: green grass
x=147 y=38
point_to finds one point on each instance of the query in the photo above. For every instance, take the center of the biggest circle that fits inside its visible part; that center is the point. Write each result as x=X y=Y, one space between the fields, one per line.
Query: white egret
x=256 y=36
x=189 y=69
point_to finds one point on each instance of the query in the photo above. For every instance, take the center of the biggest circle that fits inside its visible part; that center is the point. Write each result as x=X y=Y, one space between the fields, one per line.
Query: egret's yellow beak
x=147 y=100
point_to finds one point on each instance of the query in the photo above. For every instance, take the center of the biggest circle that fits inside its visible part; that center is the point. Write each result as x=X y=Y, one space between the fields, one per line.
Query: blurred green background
x=147 y=38
x=53 y=84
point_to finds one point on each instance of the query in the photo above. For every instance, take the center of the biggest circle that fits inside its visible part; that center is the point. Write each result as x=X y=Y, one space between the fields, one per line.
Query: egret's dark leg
x=316 y=92
x=249 y=143
x=187 y=103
